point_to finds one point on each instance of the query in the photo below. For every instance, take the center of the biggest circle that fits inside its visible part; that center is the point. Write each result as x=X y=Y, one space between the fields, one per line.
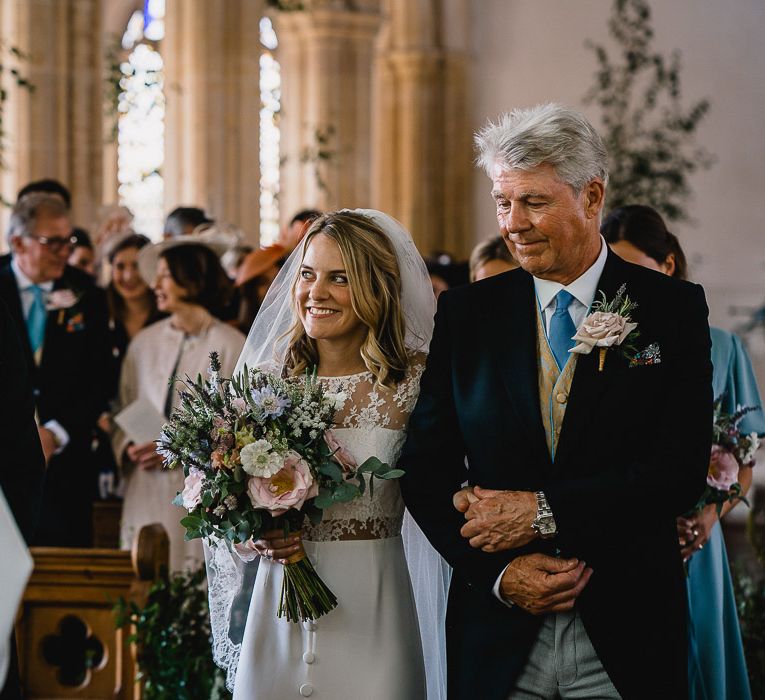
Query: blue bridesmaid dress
x=716 y=665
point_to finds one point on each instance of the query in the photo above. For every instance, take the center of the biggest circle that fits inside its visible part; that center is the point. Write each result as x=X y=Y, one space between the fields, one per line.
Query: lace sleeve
x=230 y=581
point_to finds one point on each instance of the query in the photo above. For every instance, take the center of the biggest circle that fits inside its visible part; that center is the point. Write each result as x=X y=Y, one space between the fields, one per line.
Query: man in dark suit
x=568 y=580
x=22 y=467
x=61 y=318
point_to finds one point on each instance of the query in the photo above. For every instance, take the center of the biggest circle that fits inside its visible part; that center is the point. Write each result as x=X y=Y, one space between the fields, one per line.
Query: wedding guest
x=255 y=275
x=437 y=273
x=490 y=257
x=47 y=186
x=300 y=223
x=232 y=259
x=132 y=303
x=182 y=221
x=22 y=468
x=61 y=317
x=716 y=664
x=83 y=255
x=191 y=286
x=132 y=306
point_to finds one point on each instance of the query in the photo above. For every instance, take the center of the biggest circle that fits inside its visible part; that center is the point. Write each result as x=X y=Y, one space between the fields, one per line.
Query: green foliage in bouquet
x=173 y=636
x=649 y=135
x=258 y=454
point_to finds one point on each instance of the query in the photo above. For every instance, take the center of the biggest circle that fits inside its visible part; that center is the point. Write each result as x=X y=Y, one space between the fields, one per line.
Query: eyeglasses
x=56 y=244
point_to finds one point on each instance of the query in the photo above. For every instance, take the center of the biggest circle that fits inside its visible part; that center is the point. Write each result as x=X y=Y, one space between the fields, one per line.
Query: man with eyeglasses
x=61 y=317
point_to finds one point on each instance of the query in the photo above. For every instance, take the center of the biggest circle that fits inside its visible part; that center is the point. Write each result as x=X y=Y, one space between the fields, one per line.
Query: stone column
x=56 y=131
x=327 y=58
x=212 y=85
x=422 y=144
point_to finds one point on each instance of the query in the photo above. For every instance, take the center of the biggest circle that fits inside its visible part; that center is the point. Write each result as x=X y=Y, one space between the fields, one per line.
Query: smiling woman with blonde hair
x=353 y=304
x=372 y=278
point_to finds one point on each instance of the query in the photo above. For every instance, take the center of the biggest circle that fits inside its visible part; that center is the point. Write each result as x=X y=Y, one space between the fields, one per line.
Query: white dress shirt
x=27 y=297
x=583 y=289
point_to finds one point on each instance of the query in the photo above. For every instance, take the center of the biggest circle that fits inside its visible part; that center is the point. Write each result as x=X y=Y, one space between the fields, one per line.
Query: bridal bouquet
x=258 y=454
x=731 y=449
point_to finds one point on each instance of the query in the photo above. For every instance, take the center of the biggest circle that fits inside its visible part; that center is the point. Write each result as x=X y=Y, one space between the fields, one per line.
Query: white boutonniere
x=61 y=299
x=609 y=325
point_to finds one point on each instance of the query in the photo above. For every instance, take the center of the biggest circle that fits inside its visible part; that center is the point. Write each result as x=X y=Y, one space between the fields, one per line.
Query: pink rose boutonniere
x=609 y=325
x=62 y=300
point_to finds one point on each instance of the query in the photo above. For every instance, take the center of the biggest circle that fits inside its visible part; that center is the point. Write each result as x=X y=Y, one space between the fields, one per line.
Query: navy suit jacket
x=632 y=455
x=71 y=385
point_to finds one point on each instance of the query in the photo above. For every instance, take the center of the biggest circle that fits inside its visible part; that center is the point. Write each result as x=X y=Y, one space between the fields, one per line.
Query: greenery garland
x=173 y=636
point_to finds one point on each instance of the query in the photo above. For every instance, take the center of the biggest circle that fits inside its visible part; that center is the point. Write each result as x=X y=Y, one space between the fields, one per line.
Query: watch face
x=546 y=525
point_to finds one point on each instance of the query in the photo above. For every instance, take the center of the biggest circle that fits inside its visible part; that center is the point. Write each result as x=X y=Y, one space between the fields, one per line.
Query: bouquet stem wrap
x=304 y=595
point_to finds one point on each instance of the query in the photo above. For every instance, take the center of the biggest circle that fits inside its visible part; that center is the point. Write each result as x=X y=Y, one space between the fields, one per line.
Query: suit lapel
x=589 y=384
x=9 y=292
x=517 y=359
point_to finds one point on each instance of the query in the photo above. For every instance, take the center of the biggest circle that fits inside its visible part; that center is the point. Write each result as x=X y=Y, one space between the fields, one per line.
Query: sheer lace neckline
x=343 y=376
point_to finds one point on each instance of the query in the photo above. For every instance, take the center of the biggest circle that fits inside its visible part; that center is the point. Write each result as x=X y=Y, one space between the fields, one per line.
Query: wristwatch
x=544 y=523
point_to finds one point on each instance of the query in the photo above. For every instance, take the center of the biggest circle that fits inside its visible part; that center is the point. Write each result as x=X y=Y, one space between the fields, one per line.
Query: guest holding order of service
x=191 y=286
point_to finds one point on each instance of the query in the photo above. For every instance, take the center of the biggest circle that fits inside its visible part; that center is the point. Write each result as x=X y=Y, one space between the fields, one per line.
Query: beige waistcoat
x=554 y=387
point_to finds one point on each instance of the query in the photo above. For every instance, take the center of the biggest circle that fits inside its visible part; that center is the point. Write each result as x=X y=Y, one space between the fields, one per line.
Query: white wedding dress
x=369 y=646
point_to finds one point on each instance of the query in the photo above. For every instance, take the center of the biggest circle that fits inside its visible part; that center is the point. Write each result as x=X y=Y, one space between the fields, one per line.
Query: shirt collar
x=23 y=282
x=583 y=288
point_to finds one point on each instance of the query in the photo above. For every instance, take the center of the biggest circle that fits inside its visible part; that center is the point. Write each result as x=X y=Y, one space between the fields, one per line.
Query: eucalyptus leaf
x=391 y=474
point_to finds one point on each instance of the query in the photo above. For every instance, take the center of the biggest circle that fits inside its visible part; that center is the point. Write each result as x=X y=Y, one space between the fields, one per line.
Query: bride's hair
x=375 y=285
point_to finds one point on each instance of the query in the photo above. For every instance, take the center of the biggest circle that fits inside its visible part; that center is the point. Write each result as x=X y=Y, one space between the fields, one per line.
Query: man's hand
x=48 y=441
x=144 y=456
x=540 y=584
x=463 y=498
x=499 y=520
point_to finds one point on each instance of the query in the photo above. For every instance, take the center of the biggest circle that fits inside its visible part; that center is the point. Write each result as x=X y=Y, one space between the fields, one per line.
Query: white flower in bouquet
x=258 y=459
x=336 y=400
x=754 y=445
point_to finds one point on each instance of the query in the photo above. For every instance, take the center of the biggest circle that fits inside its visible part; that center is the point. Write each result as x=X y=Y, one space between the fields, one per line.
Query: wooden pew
x=68 y=644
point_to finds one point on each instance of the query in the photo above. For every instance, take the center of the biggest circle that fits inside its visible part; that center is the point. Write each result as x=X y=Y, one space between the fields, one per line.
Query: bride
x=355 y=302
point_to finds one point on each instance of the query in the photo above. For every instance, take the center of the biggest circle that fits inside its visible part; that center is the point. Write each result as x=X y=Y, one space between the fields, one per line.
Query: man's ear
x=17 y=244
x=594 y=198
x=669 y=264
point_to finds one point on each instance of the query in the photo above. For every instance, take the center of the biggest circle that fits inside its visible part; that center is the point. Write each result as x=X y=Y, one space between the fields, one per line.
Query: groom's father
x=568 y=580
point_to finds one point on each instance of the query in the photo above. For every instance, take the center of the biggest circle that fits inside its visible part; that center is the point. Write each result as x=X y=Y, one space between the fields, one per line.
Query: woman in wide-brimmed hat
x=254 y=277
x=191 y=286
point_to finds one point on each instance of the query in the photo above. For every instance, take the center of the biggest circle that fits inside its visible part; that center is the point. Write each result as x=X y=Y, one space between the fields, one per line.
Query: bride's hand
x=274 y=545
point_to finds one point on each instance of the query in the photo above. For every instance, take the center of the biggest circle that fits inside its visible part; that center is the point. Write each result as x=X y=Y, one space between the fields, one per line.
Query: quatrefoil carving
x=75 y=651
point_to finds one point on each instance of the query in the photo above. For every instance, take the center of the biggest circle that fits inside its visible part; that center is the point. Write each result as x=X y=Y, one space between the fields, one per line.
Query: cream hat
x=149 y=255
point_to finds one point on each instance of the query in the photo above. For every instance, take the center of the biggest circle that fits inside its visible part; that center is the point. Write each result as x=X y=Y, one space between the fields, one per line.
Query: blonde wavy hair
x=375 y=286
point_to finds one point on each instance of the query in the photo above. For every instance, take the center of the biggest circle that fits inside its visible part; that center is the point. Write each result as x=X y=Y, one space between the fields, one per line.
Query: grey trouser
x=563 y=664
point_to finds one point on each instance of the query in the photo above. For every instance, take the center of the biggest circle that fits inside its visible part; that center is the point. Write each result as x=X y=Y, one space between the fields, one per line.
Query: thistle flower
x=269 y=402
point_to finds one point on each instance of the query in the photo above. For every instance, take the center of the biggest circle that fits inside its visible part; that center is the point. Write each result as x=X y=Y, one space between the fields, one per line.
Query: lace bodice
x=371 y=423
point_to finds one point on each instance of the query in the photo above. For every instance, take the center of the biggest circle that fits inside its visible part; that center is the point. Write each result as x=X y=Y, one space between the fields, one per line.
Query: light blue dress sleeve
x=734 y=379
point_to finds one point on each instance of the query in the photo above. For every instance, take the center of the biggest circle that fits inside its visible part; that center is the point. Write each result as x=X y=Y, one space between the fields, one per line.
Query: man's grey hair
x=548 y=133
x=29 y=207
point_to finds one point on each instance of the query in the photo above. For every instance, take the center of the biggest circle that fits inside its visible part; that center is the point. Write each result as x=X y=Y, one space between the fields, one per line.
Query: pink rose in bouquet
x=723 y=469
x=192 y=489
x=289 y=488
x=340 y=454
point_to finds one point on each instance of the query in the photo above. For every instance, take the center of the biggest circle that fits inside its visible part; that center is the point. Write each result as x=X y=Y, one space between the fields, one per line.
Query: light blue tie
x=562 y=328
x=36 y=318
